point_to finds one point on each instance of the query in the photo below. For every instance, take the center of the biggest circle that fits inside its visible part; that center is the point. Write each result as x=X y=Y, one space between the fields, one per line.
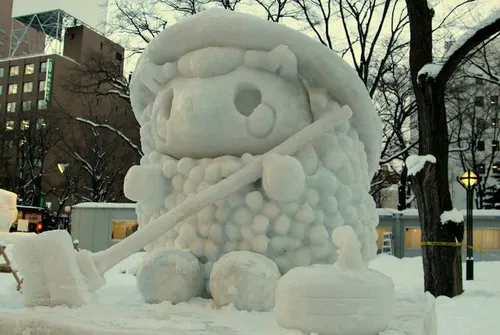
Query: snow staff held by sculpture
x=250 y=162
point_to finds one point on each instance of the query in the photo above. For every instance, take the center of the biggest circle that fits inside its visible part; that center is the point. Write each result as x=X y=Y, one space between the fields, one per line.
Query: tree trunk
x=442 y=264
x=403 y=181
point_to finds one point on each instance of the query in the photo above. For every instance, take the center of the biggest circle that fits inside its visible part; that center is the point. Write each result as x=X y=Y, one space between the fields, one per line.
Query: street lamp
x=469 y=179
x=61 y=167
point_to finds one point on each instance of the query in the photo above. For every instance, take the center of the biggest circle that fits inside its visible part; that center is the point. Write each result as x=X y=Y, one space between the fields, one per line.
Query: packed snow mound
x=50 y=252
x=170 y=275
x=318 y=66
x=415 y=163
x=8 y=209
x=245 y=279
x=343 y=299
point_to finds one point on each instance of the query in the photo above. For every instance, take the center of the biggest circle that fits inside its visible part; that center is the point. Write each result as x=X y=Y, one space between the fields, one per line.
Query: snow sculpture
x=343 y=299
x=8 y=209
x=215 y=92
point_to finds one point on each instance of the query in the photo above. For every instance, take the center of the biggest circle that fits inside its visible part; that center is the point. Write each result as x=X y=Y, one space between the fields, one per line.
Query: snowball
x=236 y=200
x=305 y=214
x=324 y=250
x=245 y=279
x=197 y=174
x=197 y=247
x=247 y=233
x=223 y=214
x=190 y=186
x=213 y=172
x=312 y=197
x=170 y=201
x=187 y=233
x=203 y=228
x=260 y=224
x=170 y=275
x=180 y=198
x=302 y=256
x=207 y=214
x=242 y=216
x=229 y=167
x=282 y=225
x=271 y=210
x=233 y=231
x=216 y=232
x=244 y=245
x=298 y=230
x=283 y=178
x=185 y=165
x=247 y=158
x=254 y=201
x=178 y=183
x=212 y=250
x=260 y=243
x=231 y=246
x=318 y=235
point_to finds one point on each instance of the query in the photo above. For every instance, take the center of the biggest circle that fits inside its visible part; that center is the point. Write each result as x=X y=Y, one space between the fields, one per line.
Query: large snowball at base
x=170 y=275
x=8 y=209
x=245 y=279
x=327 y=300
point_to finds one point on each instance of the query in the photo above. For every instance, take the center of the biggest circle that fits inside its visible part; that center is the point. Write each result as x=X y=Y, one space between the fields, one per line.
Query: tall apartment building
x=35 y=103
x=7 y=24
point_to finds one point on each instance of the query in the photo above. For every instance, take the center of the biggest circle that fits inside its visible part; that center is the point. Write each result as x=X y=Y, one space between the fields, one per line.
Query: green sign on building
x=48 y=79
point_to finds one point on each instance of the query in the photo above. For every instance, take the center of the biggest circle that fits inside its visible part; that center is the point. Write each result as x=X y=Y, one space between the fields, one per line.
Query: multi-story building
x=38 y=135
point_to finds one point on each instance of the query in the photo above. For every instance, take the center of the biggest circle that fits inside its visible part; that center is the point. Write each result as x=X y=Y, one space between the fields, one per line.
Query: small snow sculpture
x=245 y=279
x=341 y=299
x=174 y=275
x=235 y=88
x=8 y=209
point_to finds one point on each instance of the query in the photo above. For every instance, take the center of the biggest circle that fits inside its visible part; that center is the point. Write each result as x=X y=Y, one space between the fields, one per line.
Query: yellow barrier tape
x=457 y=244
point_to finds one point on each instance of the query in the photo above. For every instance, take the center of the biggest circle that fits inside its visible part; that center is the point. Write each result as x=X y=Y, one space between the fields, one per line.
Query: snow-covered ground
x=119 y=309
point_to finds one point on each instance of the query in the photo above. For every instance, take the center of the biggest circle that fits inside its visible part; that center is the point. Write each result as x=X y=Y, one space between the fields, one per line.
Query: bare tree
x=442 y=264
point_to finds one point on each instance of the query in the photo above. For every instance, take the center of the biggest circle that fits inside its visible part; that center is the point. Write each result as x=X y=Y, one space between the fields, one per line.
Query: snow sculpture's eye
x=247 y=99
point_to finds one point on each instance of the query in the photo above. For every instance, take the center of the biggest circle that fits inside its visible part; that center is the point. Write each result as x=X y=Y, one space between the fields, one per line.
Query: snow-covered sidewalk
x=120 y=309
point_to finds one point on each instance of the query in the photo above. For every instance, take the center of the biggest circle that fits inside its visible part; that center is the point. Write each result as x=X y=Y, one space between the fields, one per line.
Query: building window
x=494 y=122
x=14 y=70
x=1 y=89
x=122 y=229
x=26 y=106
x=494 y=145
x=480 y=146
x=11 y=107
x=481 y=169
x=479 y=81
x=41 y=85
x=42 y=104
x=25 y=124
x=494 y=100
x=119 y=57
x=479 y=101
x=29 y=69
x=13 y=89
x=40 y=123
x=102 y=45
x=9 y=125
x=28 y=87
x=43 y=67
x=481 y=124
x=2 y=72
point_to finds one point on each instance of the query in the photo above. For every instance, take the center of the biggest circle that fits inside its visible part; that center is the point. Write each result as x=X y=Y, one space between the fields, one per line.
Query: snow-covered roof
x=114 y=205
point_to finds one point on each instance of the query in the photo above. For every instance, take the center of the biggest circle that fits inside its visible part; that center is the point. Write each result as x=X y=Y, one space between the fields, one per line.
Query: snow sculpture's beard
x=292 y=234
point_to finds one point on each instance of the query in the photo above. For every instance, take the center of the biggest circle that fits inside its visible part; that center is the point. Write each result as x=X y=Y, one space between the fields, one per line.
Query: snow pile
x=170 y=275
x=415 y=163
x=346 y=298
x=51 y=275
x=8 y=209
x=452 y=216
x=245 y=279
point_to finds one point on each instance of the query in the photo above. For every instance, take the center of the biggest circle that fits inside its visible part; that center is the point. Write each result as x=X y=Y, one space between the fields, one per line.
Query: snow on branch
x=415 y=163
x=114 y=130
x=452 y=216
x=443 y=69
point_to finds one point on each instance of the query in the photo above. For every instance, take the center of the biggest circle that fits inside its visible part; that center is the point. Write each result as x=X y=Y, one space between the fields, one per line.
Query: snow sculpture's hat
x=316 y=63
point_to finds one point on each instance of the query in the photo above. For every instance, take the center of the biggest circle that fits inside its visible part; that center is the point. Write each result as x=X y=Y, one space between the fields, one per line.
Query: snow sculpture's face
x=244 y=111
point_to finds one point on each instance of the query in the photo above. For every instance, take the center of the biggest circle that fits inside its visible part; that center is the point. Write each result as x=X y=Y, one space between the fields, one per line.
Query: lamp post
x=469 y=179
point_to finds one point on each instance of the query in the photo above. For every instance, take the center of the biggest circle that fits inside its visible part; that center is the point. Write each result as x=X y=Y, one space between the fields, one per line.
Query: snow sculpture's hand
x=349 y=249
x=283 y=178
x=146 y=183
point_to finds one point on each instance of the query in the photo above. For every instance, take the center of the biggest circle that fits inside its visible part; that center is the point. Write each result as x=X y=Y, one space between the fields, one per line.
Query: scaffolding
x=40 y=32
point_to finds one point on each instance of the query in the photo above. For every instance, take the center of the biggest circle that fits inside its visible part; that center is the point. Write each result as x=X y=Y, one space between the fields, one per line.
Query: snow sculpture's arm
x=146 y=183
